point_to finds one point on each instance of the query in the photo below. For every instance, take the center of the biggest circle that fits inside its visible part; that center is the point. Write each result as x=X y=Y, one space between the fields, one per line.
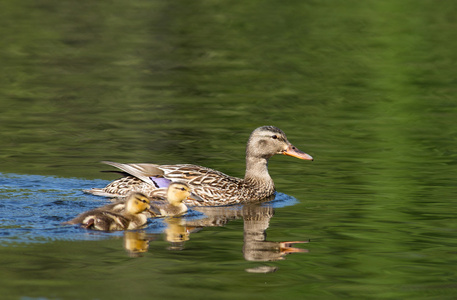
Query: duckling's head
x=267 y=141
x=177 y=193
x=137 y=203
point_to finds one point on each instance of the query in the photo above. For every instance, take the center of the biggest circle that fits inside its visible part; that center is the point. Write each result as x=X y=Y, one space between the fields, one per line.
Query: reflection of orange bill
x=286 y=247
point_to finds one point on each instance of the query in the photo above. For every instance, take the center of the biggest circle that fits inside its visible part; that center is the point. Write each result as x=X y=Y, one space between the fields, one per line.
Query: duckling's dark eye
x=274 y=137
x=182 y=189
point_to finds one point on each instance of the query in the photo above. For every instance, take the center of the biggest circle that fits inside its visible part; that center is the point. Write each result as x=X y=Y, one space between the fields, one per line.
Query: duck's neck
x=257 y=172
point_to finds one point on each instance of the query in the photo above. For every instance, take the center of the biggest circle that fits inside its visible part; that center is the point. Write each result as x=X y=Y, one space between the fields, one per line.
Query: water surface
x=367 y=88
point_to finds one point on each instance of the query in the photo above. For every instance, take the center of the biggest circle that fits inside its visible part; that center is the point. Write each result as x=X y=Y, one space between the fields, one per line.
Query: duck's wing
x=161 y=175
x=119 y=188
x=141 y=171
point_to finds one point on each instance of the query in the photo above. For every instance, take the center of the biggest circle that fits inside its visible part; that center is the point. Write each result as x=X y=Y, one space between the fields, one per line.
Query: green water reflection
x=367 y=88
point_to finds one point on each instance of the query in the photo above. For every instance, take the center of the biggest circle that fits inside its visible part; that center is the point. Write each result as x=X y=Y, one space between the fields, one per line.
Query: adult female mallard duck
x=212 y=187
x=112 y=218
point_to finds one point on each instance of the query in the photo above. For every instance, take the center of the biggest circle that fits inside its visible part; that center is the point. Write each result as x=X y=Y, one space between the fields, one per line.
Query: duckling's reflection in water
x=136 y=243
x=177 y=233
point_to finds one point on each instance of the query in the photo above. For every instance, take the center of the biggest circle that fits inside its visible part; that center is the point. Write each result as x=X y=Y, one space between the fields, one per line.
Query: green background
x=366 y=87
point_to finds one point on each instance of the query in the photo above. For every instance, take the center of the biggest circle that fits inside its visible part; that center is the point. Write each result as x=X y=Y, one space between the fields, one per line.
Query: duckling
x=177 y=192
x=108 y=219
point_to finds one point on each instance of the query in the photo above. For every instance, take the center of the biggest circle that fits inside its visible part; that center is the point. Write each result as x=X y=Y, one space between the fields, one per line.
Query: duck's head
x=137 y=203
x=177 y=193
x=267 y=141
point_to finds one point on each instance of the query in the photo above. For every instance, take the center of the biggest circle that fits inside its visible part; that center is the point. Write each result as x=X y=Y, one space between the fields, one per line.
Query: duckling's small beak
x=149 y=210
x=293 y=151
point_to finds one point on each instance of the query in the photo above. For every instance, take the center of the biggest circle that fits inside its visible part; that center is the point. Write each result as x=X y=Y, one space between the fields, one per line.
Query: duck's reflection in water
x=256 y=219
x=256 y=247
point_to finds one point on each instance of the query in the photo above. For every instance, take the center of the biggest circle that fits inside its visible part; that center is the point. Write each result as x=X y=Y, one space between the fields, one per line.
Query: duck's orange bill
x=293 y=151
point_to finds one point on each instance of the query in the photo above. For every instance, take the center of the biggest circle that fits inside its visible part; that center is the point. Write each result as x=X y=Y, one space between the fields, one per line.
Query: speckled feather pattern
x=214 y=187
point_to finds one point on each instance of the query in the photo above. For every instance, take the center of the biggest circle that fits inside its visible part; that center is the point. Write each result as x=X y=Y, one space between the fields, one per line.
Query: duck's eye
x=182 y=189
x=274 y=137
